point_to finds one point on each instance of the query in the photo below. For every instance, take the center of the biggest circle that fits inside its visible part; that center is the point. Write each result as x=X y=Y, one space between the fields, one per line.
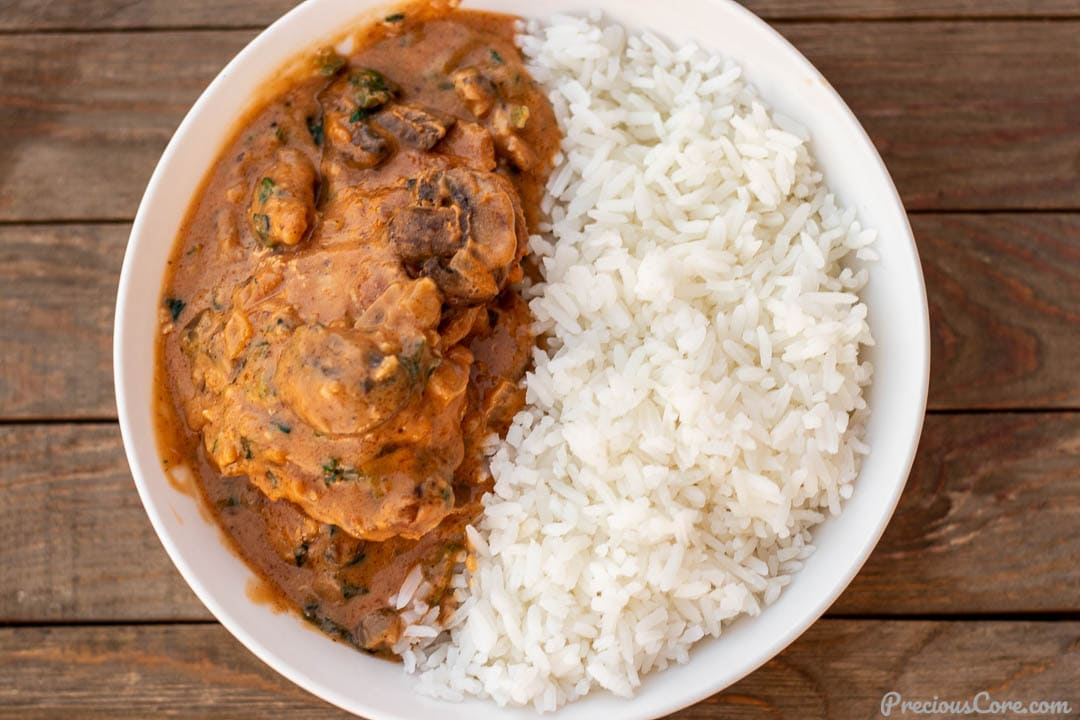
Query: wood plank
x=24 y=15
x=907 y=9
x=986 y=524
x=839 y=668
x=968 y=115
x=78 y=543
x=1004 y=293
x=81 y=129
x=57 y=294
x=1004 y=302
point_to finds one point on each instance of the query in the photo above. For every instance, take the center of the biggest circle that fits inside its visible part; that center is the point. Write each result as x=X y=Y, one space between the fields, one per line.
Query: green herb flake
x=360 y=114
x=335 y=472
x=281 y=135
x=328 y=626
x=266 y=189
x=395 y=18
x=175 y=306
x=282 y=426
x=496 y=57
x=262 y=224
x=329 y=62
x=245 y=444
x=300 y=554
x=357 y=559
x=315 y=127
x=272 y=479
x=370 y=89
x=228 y=502
x=349 y=591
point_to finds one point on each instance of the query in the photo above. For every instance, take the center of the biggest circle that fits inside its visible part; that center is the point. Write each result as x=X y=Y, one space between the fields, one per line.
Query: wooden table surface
x=975 y=106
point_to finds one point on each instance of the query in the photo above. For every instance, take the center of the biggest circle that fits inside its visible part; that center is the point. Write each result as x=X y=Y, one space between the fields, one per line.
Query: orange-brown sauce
x=253 y=428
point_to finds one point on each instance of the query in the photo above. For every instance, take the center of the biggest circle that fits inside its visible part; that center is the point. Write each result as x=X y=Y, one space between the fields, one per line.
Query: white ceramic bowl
x=377 y=689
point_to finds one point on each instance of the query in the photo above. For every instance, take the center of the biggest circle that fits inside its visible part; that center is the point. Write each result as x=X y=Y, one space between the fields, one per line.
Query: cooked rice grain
x=699 y=405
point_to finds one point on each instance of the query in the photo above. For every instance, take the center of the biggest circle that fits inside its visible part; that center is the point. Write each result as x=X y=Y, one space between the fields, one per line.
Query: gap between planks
x=113 y=420
x=1023 y=616
x=771 y=20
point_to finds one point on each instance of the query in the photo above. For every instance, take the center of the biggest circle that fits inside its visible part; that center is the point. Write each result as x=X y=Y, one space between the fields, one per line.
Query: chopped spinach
x=315 y=127
x=175 y=307
x=360 y=557
x=335 y=472
x=282 y=426
x=245 y=444
x=360 y=114
x=262 y=224
x=370 y=89
x=349 y=591
x=496 y=57
x=396 y=17
x=266 y=189
x=328 y=626
x=272 y=478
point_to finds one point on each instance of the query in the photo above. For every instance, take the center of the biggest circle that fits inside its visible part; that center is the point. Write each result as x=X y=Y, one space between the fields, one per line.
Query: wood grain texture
x=57 y=293
x=1004 y=296
x=77 y=543
x=1004 y=293
x=967 y=115
x=838 y=669
x=987 y=524
x=81 y=130
x=905 y=9
x=23 y=15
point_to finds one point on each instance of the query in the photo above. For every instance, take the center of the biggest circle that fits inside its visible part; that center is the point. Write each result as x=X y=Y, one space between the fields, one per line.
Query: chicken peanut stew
x=341 y=325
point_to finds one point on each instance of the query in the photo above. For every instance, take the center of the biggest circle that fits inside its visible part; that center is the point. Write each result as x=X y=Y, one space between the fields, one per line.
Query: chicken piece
x=345 y=381
x=465 y=230
x=398 y=485
x=472 y=144
x=356 y=141
x=506 y=120
x=348 y=105
x=475 y=90
x=283 y=200
x=356 y=422
x=203 y=343
x=414 y=127
x=501 y=403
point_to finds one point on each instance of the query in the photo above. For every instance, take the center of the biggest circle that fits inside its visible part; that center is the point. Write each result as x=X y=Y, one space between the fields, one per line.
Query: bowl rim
x=125 y=395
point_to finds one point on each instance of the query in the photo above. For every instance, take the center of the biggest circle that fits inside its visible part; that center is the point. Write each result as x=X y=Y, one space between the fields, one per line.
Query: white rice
x=700 y=403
